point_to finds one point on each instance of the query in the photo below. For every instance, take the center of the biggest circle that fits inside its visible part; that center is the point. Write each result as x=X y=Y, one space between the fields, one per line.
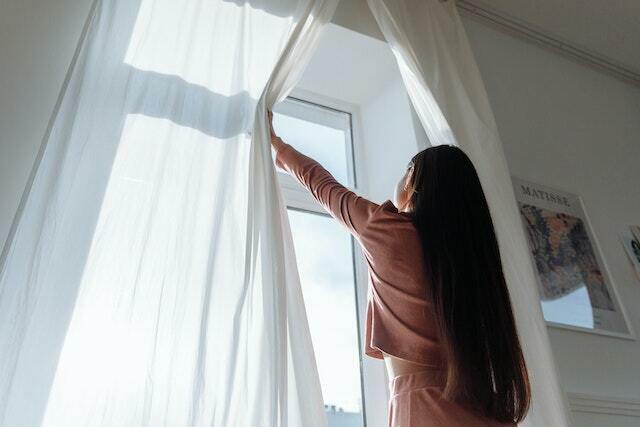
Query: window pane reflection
x=325 y=262
x=325 y=144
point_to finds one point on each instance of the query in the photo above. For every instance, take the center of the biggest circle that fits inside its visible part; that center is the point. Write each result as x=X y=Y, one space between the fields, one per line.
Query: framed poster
x=575 y=290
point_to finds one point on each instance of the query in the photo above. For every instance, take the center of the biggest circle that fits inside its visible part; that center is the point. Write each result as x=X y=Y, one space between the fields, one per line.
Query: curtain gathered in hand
x=148 y=279
x=445 y=87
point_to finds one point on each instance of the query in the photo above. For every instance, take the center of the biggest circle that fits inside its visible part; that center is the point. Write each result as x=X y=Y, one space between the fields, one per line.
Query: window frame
x=374 y=380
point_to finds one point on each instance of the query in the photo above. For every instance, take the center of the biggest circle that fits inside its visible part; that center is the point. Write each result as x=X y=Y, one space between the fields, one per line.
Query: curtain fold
x=149 y=278
x=446 y=89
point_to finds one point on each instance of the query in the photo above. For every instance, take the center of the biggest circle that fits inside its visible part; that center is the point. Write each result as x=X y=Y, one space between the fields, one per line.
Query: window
x=319 y=132
x=325 y=262
x=326 y=258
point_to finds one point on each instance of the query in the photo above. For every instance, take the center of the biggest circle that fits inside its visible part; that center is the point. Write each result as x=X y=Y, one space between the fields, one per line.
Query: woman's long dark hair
x=486 y=367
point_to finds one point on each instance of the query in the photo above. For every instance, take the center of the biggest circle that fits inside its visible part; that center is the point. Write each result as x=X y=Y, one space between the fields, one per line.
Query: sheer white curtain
x=444 y=84
x=145 y=280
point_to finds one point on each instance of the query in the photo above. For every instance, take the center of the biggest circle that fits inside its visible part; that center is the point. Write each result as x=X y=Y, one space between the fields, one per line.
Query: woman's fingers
x=276 y=142
x=270 y=116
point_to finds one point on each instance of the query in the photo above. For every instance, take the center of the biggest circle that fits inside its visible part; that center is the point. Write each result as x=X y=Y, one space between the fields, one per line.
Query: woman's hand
x=276 y=141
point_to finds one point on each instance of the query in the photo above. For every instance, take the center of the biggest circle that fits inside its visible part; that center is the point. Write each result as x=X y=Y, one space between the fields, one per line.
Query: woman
x=438 y=307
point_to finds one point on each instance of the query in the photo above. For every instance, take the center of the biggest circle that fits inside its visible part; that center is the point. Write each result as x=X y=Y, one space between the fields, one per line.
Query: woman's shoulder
x=389 y=210
x=387 y=223
x=389 y=206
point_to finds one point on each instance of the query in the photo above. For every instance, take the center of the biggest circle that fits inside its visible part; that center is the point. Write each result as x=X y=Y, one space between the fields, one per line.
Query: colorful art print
x=563 y=256
x=574 y=290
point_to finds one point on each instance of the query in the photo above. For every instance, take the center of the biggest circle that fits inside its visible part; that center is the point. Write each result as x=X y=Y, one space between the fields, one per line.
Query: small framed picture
x=631 y=243
x=576 y=292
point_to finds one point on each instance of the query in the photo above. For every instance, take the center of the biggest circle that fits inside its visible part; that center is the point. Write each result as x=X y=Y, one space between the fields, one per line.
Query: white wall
x=568 y=126
x=390 y=138
x=355 y=14
x=37 y=42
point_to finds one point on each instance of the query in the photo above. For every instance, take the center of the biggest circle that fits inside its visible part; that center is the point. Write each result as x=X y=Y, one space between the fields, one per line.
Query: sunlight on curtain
x=146 y=282
x=193 y=39
x=141 y=295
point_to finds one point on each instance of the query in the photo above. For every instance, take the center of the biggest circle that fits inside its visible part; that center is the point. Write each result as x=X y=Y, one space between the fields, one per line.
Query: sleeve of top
x=351 y=210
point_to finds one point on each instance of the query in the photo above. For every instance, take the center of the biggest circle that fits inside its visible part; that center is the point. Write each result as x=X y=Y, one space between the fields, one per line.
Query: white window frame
x=374 y=379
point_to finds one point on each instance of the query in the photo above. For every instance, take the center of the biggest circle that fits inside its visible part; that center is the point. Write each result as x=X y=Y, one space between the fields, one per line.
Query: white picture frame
x=575 y=286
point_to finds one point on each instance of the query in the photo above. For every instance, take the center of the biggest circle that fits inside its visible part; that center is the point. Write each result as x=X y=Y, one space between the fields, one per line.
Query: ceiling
x=602 y=33
x=608 y=29
x=341 y=59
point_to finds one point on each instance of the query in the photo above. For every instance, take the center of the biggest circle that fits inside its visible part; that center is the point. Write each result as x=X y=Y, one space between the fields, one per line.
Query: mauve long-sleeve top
x=400 y=319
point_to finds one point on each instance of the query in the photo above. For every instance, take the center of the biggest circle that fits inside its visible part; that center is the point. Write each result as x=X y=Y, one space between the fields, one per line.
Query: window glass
x=325 y=262
x=317 y=132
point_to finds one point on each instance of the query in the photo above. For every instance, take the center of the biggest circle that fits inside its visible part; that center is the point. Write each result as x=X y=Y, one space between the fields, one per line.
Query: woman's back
x=401 y=323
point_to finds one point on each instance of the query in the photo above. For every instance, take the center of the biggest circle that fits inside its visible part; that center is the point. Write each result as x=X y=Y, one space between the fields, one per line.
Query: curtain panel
x=149 y=277
x=446 y=89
